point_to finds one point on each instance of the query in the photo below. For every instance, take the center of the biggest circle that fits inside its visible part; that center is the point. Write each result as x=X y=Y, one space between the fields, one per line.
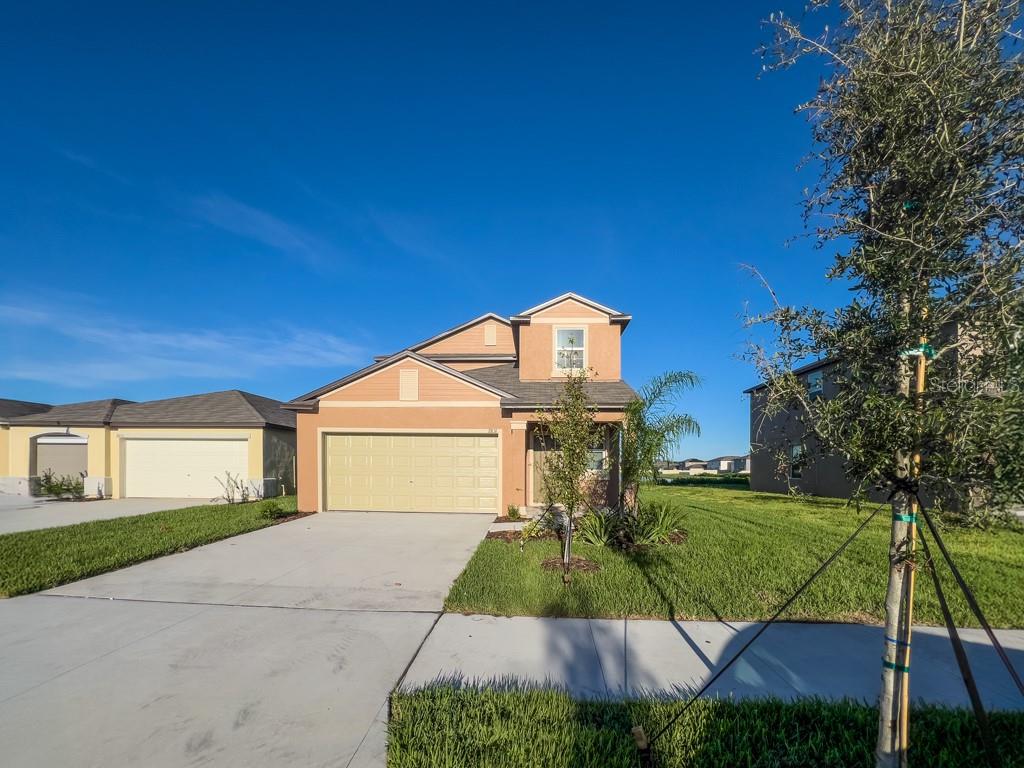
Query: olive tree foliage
x=918 y=131
x=650 y=428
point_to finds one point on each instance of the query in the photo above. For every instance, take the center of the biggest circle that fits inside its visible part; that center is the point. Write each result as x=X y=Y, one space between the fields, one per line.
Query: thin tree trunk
x=567 y=549
x=894 y=673
x=887 y=751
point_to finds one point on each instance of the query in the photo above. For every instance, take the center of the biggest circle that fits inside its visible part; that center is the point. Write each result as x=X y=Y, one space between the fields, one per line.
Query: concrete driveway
x=28 y=513
x=275 y=648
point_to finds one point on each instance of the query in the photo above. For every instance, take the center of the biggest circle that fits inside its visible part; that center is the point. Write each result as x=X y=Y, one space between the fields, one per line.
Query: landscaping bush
x=653 y=523
x=62 y=486
x=600 y=528
x=273 y=509
x=512 y=511
x=511 y=725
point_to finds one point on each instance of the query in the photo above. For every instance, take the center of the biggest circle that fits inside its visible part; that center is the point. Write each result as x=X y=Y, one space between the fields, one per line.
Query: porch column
x=514 y=458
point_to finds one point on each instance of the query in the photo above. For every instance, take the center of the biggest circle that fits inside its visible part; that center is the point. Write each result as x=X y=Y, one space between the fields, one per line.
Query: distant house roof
x=531 y=394
x=229 y=408
x=725 y=458
x=809 y=368
x=11 y=408
x=91 y=413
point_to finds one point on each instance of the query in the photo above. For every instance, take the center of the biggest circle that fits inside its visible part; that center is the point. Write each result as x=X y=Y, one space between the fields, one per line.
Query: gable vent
x=409 y=384
x=490 y=335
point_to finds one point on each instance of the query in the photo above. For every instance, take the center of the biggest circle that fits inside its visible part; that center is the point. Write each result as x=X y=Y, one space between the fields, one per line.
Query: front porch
x=603 y=475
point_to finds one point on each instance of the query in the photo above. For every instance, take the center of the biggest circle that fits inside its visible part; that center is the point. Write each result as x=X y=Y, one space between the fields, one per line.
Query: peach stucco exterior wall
x=511 y=428
x=433 y=385
x=604 y=349
x=312 y=426
x=471 y=341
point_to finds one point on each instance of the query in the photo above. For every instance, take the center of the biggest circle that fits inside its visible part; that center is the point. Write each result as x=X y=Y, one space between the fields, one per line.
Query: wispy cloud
x=412 y=234
x=93 y=165
x=236 y=217
x=79 y=347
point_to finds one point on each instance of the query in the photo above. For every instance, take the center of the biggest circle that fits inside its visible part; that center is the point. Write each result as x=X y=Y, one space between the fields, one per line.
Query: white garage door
x=411 y=473
x=182 y=468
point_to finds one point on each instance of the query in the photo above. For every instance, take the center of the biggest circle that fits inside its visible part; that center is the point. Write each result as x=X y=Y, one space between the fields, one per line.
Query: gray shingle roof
x=540 y=393
x=11 y=408
x=85 y=414
x=230 y=408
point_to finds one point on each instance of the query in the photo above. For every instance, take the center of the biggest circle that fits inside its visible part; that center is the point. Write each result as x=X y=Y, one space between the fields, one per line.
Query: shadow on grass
x=506 y=722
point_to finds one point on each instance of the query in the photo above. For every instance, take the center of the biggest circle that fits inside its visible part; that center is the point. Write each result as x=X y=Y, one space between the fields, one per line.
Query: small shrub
x=653 y=524
x=62 y=485
x=512 y=511
x=272 y=509
x=600 y=528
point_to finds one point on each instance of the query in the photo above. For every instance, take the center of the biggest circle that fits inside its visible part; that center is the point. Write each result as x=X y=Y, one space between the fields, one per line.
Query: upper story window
x=816 y=384
x=570 y=349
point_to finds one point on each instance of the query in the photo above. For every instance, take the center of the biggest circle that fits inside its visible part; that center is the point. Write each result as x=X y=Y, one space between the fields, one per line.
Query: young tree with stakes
x=570 y=431
x=918 y=128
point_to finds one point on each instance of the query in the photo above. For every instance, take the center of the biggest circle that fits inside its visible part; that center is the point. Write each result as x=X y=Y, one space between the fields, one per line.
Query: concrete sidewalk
x=598 y=658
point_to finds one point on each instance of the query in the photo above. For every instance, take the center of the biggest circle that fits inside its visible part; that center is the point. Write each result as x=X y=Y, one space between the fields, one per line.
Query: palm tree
x=651 y=427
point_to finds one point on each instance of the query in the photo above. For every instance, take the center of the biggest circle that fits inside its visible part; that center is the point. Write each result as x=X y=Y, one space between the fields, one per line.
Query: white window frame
x=556 y=369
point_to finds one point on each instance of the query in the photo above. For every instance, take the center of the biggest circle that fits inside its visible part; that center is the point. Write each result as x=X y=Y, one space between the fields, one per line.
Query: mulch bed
x=514 y=537
x=576 y=563
x=296 y=516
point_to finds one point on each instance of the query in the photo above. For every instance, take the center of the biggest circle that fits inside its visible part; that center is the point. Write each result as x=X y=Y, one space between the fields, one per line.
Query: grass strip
x=445 y=726
x=34 y=560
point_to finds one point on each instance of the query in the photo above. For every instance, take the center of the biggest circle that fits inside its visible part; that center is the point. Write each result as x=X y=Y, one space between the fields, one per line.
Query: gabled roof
x=309 y=400
x=539 y=394
x=462 y=357
x=456 y=329
x=10 y=408
x=91 y=413
x=613 y=314
x=229 y=408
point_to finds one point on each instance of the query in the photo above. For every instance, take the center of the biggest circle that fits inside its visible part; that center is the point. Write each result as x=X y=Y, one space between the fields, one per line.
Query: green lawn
x=745 y=554
x=445 y=727
x=35 y=560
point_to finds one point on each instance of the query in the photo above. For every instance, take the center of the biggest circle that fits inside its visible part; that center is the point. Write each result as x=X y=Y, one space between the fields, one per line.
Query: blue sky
x=215 y=195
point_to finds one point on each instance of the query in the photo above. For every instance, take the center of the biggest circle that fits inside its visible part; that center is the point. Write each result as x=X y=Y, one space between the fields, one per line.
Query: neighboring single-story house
x=184 y=447
x=722 y=463
x=9 y=409
x=450 y=424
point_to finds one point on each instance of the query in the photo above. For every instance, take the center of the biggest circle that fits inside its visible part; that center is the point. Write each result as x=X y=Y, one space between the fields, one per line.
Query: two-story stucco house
x=449 y=424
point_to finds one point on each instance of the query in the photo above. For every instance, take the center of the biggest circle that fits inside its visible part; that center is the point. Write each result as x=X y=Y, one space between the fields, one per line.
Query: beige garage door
x=411 y=473
x=167 y=468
